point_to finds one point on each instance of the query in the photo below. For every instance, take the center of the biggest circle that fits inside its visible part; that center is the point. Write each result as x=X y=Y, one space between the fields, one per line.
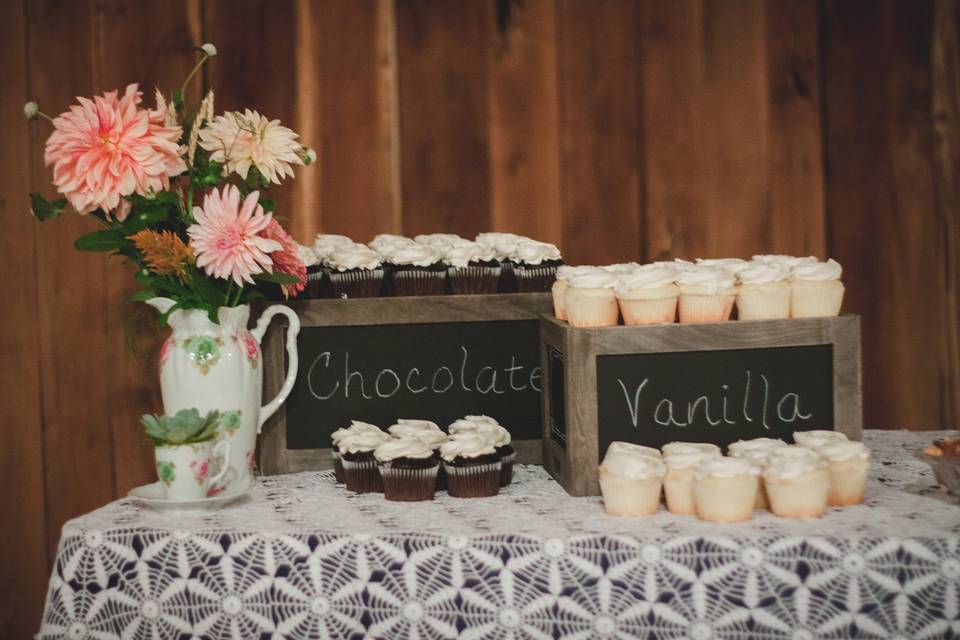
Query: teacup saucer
x=151 y=495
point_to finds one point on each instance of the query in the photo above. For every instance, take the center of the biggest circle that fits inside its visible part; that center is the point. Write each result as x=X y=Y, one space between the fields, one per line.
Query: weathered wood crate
x=379 y=359
x=716 y=382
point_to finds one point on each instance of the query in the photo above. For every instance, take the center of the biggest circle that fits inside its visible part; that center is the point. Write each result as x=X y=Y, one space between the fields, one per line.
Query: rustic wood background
x=617 y=129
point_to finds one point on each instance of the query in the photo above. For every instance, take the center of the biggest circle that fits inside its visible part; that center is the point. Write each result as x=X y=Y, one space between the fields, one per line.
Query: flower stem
x=192 y=73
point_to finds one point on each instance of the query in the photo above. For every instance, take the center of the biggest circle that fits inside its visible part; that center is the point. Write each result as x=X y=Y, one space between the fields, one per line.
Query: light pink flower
x=226 y=238
x=200 y=469
x=107 y=148
x=287 y=260
x=239 y=140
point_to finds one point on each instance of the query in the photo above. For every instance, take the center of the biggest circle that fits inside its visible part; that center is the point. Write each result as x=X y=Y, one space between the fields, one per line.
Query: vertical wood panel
x=599 y=131
x=23 y=552
x=881 y=199
x=524 y=127
x=444 y=155
x=75 y=320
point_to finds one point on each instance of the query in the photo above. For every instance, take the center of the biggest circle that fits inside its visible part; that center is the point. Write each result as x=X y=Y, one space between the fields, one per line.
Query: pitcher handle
x=268 y=409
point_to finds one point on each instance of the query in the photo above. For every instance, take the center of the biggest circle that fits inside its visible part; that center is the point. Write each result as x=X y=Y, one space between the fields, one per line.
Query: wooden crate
x=397 y=342
x=716 y=382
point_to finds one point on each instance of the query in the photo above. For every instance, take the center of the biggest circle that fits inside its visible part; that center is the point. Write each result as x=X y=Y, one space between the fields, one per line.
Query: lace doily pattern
x=303 y=558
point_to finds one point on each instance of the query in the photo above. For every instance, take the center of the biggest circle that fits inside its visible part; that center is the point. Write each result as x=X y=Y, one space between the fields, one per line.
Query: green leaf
x=105 y=240
x=143 y=296
x=276 y=277
x=268 y=205
x=42 y=209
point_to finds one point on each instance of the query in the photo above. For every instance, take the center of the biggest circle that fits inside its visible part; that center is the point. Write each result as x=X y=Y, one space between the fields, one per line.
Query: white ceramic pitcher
x=211 y=366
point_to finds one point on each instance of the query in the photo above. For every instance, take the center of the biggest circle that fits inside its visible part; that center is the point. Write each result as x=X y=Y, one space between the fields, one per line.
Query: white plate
x=151 y=495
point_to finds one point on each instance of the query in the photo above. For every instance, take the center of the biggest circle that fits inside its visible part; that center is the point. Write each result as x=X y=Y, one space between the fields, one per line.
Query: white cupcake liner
x=768 y=301
x=591 y=307
x=559 y=290
x=816 y=299
x=640 y=312
x=696 y=307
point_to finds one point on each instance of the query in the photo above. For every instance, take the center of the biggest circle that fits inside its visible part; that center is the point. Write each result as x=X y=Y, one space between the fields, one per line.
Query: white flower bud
x=309 y=156
x=31 y=109
x=209 y=50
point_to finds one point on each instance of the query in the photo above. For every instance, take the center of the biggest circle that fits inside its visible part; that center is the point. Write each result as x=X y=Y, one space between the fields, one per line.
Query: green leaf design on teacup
x=165 y=470
x=204 y=351
x=230 y=420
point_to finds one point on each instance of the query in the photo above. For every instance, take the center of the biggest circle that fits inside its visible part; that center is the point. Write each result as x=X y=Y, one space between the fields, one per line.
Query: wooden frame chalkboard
x=388 y=314
x=574 y=354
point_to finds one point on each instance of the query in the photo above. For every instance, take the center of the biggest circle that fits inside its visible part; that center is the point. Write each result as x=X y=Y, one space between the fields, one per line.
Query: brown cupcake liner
x=403 y=484
x=506 y=469
x=362 y=476
x=419 y=282
x=337 y=465
x=534 y=279
x=358 y=283
x=473 y=280
x=473 y=481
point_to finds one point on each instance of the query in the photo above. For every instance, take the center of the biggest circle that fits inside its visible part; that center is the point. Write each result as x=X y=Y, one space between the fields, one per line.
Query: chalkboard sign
x=713 y=396
x=434 y=371
x=380 y=359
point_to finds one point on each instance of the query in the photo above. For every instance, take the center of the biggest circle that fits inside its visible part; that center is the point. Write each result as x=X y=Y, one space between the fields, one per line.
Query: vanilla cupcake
x=740 y=447
x=816 y=289
x=355 y=427
x=630 y=481
x=848 y=464
x=817 y=437
x=590 y=299
x=535 y=265
x=356 y=271
x=416 y=270
x=360 y=471
x=648 y=295
x=797 y=482
x=764 y=292
x=472 y=465
x=725 y=489
x=706 y=294
x=472 y=268
x=678 y=483
x=637 y=449
x=559 y=288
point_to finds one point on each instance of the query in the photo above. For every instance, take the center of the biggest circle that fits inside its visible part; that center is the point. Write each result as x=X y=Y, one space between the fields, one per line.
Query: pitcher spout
x=161 y=304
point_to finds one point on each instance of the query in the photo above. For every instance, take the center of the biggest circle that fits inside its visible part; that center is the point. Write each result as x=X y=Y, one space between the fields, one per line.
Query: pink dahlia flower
x=226 y=237
x=107 y=148
x=287 y=260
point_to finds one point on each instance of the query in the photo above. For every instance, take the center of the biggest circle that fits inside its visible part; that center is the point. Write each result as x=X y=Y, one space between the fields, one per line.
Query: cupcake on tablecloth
x=706 y=294
x=356 y=271
x=429 y=433
x=416 y=270
x=490 y=428
x=648 y=295
x=725 y=489
x=797 y=482
x=559 y=288
x=764 y=292
x=848 y=464
x=408 y=468
x=472 y=268
x=355 y=427
x=590 y=299
x=472 y=465
x=682 y=463
x=535 y=265
x=630 y=480
x=360 y=471
x=816 y=289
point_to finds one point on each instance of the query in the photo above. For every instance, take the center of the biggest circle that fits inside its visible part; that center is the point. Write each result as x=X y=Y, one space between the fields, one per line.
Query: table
x=302 y=557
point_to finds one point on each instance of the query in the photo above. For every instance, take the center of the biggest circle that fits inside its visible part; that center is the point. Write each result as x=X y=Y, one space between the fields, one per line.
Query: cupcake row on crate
x=431 y=264
x=413 y=459
x=768 y=287
x=823 y=469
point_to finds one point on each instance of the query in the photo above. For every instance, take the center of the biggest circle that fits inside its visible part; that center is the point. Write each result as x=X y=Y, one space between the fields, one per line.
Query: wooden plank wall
x=620 y=130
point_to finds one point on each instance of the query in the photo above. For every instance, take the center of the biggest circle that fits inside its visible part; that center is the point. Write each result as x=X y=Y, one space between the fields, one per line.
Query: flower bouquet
x=178 y=192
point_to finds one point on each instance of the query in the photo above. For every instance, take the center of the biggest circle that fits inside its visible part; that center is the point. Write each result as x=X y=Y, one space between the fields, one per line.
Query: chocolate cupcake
x=356 y=271
x=315 y=274
x=429 y=433
x=355 y=427
x=500 y=437
x=416 y=270
x=503 y=245
x=472 y=465
x=472 y=268
x=535 y=265
x=359 y=466
x=408 y=468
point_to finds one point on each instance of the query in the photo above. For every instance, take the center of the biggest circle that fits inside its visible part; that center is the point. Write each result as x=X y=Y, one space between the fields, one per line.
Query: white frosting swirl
x=503 y=244
x=325 y=243
x=818 y=271
x=441 y=241
x=565 y=271
x=740 y=447
x=534 y=252
x=466 y=445
x=418 y=255
x=732 y=266
x=630 y=464
x=678 y=448
x=787 y=261
x=721 y=467
x=844 y=450
x=407 y=447
x=355 y=427
x=424 y=430
x=483 y=419
x=689 y=459
x=353 y=256
x=629 y=447
x=762 y=272
x=482 y=425
x=463 y=254
x=597 y=279
x=382 y=243
x=817 y=437
x=678 y=263
x=362 y=441
x=307 y=255
x=792 y=462
x=621 y=267
x=713 y=279
x=647 y=277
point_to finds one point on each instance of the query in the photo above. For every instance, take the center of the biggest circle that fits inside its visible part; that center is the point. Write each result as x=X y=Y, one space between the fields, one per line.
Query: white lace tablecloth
x=304 y=558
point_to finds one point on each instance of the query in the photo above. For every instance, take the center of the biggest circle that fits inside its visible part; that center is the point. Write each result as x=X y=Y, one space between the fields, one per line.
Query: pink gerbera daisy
x=107 y=148
x=287 y=260
x=226 y=237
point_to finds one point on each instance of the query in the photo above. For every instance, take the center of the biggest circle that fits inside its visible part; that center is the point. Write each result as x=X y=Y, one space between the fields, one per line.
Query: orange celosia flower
x=164 y=252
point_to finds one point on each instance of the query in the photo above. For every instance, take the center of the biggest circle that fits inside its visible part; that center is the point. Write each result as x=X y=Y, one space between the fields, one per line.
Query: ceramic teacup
x=186 y=470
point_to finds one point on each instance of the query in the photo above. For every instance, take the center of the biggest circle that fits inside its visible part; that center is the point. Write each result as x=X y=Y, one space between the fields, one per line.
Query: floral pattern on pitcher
x=230 y=421
x=166 y=472
x=204 y=351
x=200 y=469
x=249 y=344
x=165 y=350
x=251 y=462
